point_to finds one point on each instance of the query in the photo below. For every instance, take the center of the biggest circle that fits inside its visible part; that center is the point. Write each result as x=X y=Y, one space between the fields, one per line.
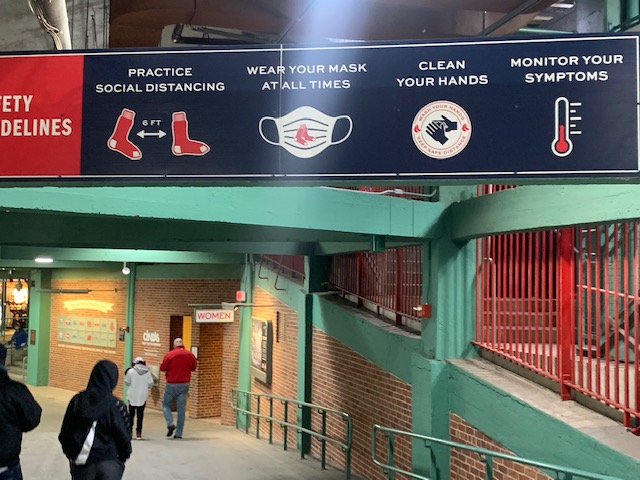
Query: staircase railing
x=484 y=456
x=242 y=402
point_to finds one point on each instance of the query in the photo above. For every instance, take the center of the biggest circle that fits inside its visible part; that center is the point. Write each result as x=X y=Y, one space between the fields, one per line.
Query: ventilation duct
x=52 y=15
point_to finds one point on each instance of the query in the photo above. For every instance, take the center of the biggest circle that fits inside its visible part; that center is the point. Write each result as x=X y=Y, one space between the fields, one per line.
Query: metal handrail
x=24 y=368
x=344 y=444
x=345 y=291
x=485 y=456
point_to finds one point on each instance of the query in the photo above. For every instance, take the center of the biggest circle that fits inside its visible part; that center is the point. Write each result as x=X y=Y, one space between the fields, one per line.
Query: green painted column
x=316 y=273
x=39 y=329
x=315 y=280
x=305 y=336
x=128 y=338
x=131 y=302
x=449 y=287
x=244 y=342
x=449 y=271
x=430 y=416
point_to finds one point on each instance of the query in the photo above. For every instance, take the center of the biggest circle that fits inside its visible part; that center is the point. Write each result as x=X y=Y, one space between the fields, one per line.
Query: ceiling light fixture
x=563 y=5
x=43 y=260
x=125 y=270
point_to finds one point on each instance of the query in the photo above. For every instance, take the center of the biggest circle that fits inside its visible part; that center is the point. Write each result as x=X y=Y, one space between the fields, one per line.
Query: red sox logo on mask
x=441 y=129
x=305 y=132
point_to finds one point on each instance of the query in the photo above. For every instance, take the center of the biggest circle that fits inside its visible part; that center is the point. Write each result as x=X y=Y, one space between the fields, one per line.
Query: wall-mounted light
x=125 y=270
x=43 y=260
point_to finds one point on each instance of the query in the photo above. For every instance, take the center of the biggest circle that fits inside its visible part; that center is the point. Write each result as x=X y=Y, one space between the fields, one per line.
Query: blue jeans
x=14 y=473
x=177 y=392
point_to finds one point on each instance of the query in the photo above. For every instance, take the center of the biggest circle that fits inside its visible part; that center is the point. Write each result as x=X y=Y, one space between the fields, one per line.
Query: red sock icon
x=182 y=144
x=302 y=135
x=119 y=139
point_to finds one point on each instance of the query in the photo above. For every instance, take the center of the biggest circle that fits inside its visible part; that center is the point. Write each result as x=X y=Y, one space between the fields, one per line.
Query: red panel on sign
x=40 y=115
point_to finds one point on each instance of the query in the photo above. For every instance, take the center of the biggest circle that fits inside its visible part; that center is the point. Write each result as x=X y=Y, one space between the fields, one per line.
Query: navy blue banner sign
x=473 y=109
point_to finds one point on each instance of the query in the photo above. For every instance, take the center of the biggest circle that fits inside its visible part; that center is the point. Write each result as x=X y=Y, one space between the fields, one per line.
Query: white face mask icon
x=305 y=132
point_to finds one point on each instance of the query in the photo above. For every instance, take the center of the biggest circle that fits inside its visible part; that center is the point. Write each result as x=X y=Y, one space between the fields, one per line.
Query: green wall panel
x=391 y=351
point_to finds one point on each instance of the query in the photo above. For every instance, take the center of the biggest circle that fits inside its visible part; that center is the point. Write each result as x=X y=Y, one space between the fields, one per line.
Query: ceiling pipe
x=52 y=15
x=295 y=21
x=509 y=16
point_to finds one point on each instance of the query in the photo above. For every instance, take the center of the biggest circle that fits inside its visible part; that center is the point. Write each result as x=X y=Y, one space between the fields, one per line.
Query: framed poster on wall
x=261 y=349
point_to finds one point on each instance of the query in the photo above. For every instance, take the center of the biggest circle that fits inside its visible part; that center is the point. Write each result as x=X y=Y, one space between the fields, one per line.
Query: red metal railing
x=387 y=283
x=291 y=265
x=565 y=305
x=607 y=274
x=413 y=192
x=516 y=299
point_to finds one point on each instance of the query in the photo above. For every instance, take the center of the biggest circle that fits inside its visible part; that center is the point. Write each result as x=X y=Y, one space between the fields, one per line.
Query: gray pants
x=105 y=470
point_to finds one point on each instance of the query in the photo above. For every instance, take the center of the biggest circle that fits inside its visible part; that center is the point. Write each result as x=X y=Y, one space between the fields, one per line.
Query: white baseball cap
x=139 y=360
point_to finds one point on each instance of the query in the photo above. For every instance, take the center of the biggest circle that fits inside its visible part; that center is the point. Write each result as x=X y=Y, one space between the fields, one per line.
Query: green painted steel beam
x=532 y=208
x=328 y=210
x=90 y=231
x=102 y=232
x=9 y=255
x=338 y=248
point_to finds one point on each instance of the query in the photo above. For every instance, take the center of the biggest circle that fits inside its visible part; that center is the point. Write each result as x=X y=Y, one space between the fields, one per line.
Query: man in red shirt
x=178 y=365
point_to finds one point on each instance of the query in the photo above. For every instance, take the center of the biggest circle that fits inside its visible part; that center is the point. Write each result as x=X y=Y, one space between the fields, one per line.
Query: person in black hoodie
x=19 y=412
x=95 y=429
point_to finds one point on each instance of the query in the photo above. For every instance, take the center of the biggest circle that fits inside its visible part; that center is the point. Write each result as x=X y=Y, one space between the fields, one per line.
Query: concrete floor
x=207 y=451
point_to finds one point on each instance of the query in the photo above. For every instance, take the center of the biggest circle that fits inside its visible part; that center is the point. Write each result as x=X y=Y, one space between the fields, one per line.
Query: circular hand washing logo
x=441 y=129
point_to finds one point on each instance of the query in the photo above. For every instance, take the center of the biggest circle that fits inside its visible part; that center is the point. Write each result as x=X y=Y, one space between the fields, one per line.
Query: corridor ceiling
x=202 y=225
x=141 y=23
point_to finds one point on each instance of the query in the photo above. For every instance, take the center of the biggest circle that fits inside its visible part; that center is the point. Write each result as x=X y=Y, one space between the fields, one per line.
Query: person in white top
x=139 y=380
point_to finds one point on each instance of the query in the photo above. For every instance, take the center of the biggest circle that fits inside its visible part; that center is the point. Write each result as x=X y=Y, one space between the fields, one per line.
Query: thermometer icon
x=562 y=144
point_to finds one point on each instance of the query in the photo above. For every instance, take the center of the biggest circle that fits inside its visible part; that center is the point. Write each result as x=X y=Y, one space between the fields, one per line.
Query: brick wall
x=230 y=349
x=70 y=363
x=157 y=300
x=346 y=381
x=284 y=375
x=466 y=466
